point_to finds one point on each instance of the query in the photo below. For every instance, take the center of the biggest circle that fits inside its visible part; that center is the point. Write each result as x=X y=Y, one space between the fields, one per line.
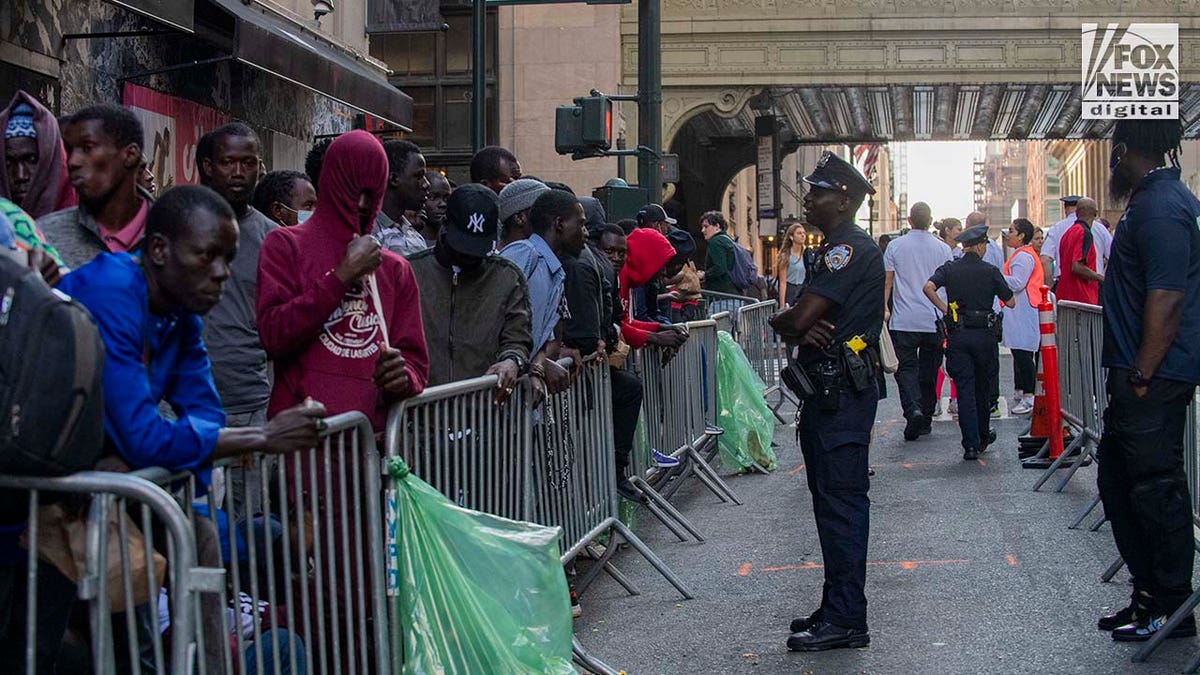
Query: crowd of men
x=258 y=303
x=238 y=313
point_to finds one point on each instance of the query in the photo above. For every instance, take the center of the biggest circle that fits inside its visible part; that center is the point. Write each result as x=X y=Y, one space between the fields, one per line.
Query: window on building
x=435 y=69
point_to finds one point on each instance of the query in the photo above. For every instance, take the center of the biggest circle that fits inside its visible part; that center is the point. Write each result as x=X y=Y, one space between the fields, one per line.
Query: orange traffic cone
x=1046 y=423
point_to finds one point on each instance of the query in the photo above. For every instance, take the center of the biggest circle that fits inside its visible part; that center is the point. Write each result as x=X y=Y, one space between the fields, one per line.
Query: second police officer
x=973 y=333
x=835 y=327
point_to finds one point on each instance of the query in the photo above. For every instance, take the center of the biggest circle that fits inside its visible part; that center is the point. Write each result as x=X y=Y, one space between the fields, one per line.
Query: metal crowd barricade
x=555 y=468
x=764 y=349
x=674 y=417
x=118 y=503
x=301 y=538
x=575 y=477
x=1079 y=332
x=724 y=321
x=715 y=303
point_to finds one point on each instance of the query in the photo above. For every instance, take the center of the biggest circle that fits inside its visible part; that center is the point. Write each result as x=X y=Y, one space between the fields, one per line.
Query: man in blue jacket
x=149 y=314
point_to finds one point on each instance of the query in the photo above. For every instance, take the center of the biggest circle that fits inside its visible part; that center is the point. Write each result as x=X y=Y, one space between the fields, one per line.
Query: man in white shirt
x=1101 y=239
x=908 y=263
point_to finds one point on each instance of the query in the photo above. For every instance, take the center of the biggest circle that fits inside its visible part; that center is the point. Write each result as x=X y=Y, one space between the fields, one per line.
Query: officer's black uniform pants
x=973 y=359
x=1144 y=488
x=835 y=447
x=920 y=356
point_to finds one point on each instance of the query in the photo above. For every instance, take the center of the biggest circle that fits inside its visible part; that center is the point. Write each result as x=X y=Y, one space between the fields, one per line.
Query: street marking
x=1012 y=560
x=744 y=570
x=796 y=470
x=902 y=564
x=981 y=462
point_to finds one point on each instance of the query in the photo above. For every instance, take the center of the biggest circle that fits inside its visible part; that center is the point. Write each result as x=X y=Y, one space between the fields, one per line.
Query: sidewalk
x=970 y=572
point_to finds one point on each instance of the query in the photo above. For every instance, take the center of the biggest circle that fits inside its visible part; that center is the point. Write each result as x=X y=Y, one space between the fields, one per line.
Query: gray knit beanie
x=519 y=195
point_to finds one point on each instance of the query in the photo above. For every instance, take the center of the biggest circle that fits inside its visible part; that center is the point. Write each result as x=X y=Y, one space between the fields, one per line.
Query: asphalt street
x=970 y=572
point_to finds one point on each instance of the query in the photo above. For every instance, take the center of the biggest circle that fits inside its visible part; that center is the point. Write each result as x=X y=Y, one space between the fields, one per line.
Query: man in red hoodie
x=340 y=317
x=647 y=253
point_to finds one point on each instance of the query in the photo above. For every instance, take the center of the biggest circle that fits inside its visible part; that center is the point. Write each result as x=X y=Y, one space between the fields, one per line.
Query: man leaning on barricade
x=149 y=312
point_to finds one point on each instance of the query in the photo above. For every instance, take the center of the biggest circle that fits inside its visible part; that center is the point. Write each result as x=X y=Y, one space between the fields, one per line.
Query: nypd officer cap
x=976 y=234
x=835 y=173
x=1070 y=200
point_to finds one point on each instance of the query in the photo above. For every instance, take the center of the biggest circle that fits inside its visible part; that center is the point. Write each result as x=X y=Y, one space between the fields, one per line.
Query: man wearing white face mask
x=286 y=197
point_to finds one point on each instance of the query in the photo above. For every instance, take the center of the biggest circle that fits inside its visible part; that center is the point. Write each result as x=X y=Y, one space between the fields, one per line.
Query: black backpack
x=51 y=359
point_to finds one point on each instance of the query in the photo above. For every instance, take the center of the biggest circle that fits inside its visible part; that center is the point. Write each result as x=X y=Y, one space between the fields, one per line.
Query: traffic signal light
x=597 y=121
x=584 y=129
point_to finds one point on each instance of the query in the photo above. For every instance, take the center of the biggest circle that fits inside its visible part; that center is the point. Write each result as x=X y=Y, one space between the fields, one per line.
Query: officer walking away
x=1151 y=297
x=836 y=324
x=973 y=333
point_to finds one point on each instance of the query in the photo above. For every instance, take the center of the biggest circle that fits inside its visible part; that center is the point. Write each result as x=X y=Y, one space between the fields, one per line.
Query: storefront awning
x=285 y=50
x=174 y=13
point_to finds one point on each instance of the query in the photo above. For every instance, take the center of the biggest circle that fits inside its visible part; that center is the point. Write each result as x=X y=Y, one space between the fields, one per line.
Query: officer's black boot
x=821 y=636
x=916 y=423
x=970 y=452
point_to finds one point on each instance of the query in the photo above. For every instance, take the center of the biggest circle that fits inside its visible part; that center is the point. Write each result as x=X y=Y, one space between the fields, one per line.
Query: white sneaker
x=1024 y=407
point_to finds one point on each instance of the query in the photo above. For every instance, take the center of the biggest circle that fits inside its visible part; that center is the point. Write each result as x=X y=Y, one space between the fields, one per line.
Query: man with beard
x=407 y=188
x=229 y=163
x=836 y=322
x=1151 y=297
x=104 y=151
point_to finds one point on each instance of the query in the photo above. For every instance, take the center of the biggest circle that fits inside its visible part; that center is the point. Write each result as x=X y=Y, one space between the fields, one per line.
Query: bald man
x=1052 y=262
x=1079 y=279
x=908 y=263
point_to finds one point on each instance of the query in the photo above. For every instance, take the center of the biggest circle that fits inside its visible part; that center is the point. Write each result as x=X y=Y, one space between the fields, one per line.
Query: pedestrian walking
x=908 y=263
x=1022 y=336
x=973 y=331
x=789 y=267
x=1151 y=329
x=836 y=325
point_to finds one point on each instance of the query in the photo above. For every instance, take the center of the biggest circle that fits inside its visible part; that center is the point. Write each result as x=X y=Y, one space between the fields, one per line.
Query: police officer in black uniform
x=973 y=333
x=834 y=327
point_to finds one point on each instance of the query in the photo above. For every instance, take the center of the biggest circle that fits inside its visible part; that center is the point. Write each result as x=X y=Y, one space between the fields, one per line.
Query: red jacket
x=323 y=335
x=648 y=251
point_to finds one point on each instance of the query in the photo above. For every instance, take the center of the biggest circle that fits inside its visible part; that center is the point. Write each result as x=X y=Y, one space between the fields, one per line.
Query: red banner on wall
x=172 y=128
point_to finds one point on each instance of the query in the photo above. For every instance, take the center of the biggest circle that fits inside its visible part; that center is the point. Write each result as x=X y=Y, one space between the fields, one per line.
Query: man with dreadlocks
x=1151 y=298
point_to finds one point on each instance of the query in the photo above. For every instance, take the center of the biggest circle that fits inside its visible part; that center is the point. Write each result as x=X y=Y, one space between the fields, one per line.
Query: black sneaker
x=970 y=454
x=912 y=429
x=1124 y=617
x=627 y=490
x=1150 y=623
x=822 y=636
x=927 y=428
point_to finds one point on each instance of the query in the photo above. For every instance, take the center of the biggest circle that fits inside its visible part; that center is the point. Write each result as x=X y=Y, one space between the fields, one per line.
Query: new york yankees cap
x=472 y=219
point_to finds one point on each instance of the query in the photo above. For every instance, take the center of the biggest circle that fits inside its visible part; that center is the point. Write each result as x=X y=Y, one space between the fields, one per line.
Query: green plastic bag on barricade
x=741 y=410
x=478 y=593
